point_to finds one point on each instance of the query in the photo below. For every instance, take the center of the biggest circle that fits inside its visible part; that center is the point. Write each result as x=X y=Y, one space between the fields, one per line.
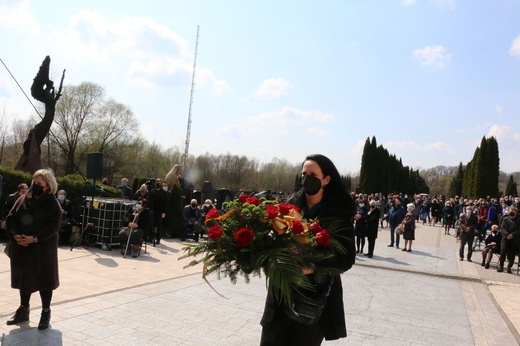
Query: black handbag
x=307 y=310
x=7 y=249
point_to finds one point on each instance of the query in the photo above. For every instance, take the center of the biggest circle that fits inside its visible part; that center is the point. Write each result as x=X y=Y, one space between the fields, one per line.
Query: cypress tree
x=363 y=173
x=492 y=165
x=455 y=188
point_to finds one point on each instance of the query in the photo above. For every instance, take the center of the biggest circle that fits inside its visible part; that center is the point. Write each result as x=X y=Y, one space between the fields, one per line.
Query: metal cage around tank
x=106 y=215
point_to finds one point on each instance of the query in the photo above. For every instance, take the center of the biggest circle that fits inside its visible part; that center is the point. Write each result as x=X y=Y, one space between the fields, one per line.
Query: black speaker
x=95 y=164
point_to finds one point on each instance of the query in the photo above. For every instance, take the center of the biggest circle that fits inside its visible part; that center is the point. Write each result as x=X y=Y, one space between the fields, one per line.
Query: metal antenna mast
x=188 y=129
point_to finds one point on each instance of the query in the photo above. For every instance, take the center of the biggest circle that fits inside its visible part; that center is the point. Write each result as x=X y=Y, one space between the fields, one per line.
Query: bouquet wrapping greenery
x=252 y=235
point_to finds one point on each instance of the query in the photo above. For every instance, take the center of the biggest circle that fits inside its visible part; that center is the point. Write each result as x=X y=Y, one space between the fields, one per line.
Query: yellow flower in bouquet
x=252 y=235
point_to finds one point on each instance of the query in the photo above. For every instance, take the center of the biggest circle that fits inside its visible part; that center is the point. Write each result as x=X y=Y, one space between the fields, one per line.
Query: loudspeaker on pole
x=95 y=166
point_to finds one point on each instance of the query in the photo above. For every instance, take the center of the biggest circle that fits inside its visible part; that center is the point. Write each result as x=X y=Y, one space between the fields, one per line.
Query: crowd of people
x=494 y=221
x=39 y=215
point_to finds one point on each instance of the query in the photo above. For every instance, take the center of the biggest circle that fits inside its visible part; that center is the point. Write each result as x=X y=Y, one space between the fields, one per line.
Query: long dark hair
x=336 y=197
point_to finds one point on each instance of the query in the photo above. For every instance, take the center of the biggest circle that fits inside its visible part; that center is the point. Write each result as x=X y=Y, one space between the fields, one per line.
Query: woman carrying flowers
x=324 y=197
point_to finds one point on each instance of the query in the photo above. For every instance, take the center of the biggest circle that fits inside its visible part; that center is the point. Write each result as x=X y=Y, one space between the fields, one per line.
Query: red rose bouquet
x=252 y=235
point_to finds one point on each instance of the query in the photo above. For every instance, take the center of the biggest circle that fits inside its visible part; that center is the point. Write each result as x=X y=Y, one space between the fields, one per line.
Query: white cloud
x=272 y=88
x=499 y=109
x=439 y=147
x=500 y=132
x=290 y=116
x=18 y=15
x=316 y=132
x=433 y=56
x=221 y=87
x=408 y=2
x=514 y=50
x=228 y=130
x=156 y=71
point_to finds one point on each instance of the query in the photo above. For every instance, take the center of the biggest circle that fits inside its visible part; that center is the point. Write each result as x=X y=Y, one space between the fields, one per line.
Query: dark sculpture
x=42 y=90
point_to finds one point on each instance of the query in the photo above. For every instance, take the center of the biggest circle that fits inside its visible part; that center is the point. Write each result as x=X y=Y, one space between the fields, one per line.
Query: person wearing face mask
x=323 y=196
x=138 y=223
x=360 y=227
x=468 y=224
x=206 y=207
x=68 y=219
x=32 y=226
x=492 y=246
x=509 y=246
x=126 y=191
x=192 y=216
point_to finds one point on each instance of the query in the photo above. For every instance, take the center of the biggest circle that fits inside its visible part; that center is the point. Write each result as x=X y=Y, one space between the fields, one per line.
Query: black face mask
x=158 y=185
x=512 y=215
x=311 y=185
x=37 y=190
x=194 y=206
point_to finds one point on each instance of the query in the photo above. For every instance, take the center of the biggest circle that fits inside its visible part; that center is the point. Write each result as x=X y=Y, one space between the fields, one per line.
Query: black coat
x=468 y=225
x=372 y=222
x=35 y=267
x=332 y=321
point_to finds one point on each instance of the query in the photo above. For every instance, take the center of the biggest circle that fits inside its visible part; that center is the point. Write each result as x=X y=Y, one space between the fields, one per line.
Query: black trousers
x=371 y=245
x=466 y=239
x=509 y=250
x=158 y=224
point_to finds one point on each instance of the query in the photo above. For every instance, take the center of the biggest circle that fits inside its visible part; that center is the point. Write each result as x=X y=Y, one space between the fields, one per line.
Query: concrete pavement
x=426 y=297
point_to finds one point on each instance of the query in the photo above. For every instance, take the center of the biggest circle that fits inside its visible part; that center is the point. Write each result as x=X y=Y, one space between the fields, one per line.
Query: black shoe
x=462 y=258
x=487 y=265
x=509 y=270
x=403 y=249
x=21 y=315
x=391 y=245
x=469 y=260
x=370 y=256
x=397 y=246
x=44 y=319
x=500 y=269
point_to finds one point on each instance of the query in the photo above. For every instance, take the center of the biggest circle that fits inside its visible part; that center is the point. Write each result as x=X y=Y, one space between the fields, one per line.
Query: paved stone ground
x=426 y=297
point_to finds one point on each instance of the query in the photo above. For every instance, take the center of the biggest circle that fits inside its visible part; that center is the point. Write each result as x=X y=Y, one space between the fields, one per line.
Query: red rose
x=271 y=212
x=244 y=236
x=253 y=200
x=297 y=227
x=242 y=198
x=323 y=238
x=284 y=208
x=315 y=227
x=215 y=232
x=212 y=214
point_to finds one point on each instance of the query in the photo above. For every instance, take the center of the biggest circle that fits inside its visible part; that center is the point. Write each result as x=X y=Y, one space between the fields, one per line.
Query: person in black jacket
x=372 y=225
x=138 y=223
x=395 y=217
x=322 y=196
x=360 y=227
x=32 y=226
x=492 y=246
x=158 y=199
x=468 y=224
x=9 y=202
x=510 y=230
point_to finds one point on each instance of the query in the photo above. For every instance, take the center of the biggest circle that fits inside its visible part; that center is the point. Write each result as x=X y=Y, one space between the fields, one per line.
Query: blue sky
x=427 y=78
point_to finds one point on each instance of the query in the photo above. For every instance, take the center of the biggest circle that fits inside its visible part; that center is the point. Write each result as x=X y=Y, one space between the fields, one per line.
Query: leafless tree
x=78 y=108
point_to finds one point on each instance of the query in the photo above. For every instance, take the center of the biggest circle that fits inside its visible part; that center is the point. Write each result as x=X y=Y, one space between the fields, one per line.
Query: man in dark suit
x=468 y=224
x=510 y=229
